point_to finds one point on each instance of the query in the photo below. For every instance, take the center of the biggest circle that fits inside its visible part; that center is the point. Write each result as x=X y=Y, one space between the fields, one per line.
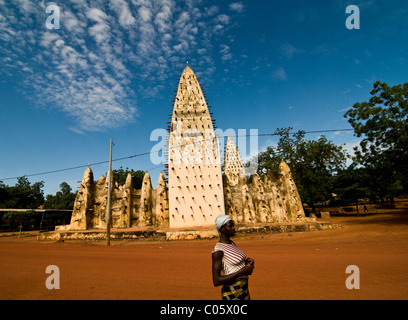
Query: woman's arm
x=219 y=279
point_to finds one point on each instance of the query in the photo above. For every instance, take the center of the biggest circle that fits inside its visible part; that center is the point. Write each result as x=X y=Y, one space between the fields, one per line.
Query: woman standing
x=232 y=261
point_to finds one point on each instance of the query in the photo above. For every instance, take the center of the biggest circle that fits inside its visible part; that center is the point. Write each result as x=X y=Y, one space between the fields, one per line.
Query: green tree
x=382 y=122
x=63 y=199
x=285 y=150
x=3 y=193
x=23 y=195
x=65 y=188
x=313 y=163
x=318 y=162
x=353 y=183
x=120 y=176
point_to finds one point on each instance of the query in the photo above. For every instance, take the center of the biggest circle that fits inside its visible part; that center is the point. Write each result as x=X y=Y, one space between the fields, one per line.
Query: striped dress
x=233 y=258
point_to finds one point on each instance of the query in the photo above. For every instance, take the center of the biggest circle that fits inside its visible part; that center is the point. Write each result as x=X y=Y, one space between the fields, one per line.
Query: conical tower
x=233 y=167
x=194 y=169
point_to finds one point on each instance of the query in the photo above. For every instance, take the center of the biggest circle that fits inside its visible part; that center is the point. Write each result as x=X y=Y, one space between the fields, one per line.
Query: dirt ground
x=305 y=265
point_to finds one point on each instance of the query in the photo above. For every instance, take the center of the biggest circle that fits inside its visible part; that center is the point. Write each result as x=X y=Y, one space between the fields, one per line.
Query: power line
x=307 y=132
x=77 y=167
x=148 y=153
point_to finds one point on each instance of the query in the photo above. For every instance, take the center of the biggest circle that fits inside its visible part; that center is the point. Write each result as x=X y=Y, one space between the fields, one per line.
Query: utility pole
x=108 y=204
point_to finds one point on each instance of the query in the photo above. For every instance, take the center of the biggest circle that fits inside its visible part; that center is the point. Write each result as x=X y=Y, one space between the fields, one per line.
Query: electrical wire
x=148 y=153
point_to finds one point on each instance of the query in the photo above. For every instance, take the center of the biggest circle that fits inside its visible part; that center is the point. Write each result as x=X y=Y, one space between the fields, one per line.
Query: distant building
x=233 y=167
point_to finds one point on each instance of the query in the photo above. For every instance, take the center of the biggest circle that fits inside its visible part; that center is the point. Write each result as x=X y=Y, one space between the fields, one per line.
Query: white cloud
x=70 y=21
x=223 y=18
x=212 y=10
x=101 y=30
x=225 y=51
x=289 y=50
x=237 y=6
x=224 y=48
x=25 y=6
x=96 y=15
x=107 y=55
x=145 y=14
x=227 y=56
x=48 y=38
x=182 y=20
x=163 y=19
x=121 y=8
x=280 y=74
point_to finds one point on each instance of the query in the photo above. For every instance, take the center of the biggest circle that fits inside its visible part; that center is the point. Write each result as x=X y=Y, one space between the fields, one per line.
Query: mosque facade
x=196 y=189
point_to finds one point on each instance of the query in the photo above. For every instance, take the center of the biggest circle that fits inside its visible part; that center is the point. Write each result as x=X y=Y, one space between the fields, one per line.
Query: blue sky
x=111 y=69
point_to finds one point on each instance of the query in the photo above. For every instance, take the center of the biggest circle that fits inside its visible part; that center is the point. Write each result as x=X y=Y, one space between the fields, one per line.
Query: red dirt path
x=306 y=265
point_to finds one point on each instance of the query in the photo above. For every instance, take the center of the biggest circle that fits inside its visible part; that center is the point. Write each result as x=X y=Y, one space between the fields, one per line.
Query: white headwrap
x=221 y=220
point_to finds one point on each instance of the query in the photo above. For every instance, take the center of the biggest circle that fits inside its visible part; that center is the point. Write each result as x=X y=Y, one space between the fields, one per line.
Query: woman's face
x=229 y=228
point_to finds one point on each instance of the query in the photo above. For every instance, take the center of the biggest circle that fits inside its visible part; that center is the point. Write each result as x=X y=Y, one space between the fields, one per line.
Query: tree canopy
x=382 y=122
x=120 y=176
x=63 y=199
x=23 y=195
x=380 y=165
x=313 y=163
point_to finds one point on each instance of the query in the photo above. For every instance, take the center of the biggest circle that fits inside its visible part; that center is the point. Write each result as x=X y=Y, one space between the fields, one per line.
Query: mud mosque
x=195 y=189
